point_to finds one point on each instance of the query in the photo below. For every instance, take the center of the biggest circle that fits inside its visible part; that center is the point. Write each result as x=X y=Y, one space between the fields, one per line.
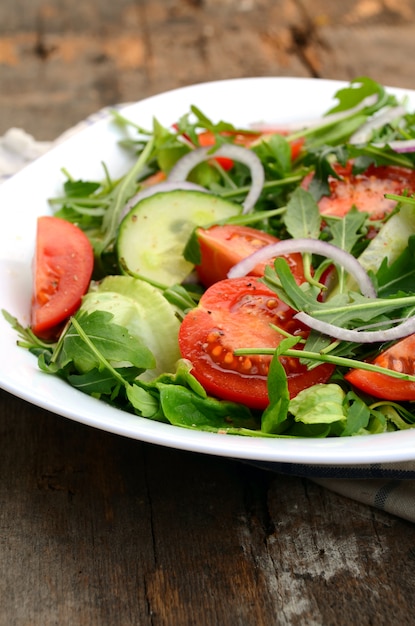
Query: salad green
x=121 y=346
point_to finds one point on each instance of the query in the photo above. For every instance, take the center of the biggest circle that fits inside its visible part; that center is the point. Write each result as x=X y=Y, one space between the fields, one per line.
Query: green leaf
x=205 y=123
x=80 y=188
x=275 y=415
x=302 y=217
x=346 y=231
x=321 y=159
x=191 y=250
x=143 y=402
x=400 y=274
x=182 y=407
x=274 y=152
x=283 y=283
x=110 y=341
x=96 y=382
x=359 y=89
x=27 y=339
x=396 y=414
x=319 y=404
x=358 y=415
x=335 y=133
x=346 y=310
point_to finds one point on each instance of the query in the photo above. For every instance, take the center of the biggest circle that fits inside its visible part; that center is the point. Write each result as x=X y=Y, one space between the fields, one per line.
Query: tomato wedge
x=222 y=247
x=366 y=190
x=238 y=313
x=400 y=357
x=63 y=266
x=207 y=139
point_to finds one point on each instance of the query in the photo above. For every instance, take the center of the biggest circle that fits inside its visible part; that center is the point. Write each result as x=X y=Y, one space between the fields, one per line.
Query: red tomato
x=207 y=139
x=365 y=191
x=400 y=357
x=154 y=179
x=222 y=247
x=237 y=313
x=247 y=139
x=296 y=144
x=63 y=267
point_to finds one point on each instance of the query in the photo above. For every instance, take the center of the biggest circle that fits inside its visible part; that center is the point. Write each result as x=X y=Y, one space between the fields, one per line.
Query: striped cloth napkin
x=389 y=487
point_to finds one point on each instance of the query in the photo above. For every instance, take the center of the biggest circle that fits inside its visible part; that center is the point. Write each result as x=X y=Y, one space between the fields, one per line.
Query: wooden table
x=97 y=529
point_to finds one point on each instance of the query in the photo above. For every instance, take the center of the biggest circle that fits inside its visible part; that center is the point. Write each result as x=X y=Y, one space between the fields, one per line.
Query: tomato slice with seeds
x=400 y=357
x=221 y=247
x=238 y=313
x=366 y=190
x=63 y=265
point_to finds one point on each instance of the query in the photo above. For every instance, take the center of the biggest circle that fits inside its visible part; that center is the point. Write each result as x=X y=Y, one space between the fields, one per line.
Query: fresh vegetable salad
x=252 y=281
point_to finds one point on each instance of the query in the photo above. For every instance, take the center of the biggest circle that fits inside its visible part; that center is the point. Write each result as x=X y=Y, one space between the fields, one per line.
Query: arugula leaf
x=275 y=154
x=396 y=414
x=358 y=415
x=345 y=310
x=302 y=218
x=346 y=232
x=359 y=89
x=333 y=135
x=93 y=337
x=182 y=407
x=275 y=415
x=27 y=339
x=321 y=160
x=80 y=188
x=144 y=402
x=398 y=276
x=95 y=382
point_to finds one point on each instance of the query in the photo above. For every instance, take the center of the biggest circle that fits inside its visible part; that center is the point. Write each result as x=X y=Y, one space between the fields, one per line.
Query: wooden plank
x=98 y=529
x=57 y=68
x=54 y=71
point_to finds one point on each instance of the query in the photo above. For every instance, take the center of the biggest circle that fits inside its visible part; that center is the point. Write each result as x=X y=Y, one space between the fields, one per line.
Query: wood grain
x=96 y=529
x=59 y=65
x=99 y=529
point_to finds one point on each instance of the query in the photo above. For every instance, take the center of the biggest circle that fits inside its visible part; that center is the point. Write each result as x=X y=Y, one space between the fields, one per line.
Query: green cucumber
x=389 y=243
x=153 y=235
x=145 y=313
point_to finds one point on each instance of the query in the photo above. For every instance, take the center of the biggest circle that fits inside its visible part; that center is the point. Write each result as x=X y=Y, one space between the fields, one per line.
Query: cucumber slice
x=145 y=313
x=389 y=243
x=152 y=236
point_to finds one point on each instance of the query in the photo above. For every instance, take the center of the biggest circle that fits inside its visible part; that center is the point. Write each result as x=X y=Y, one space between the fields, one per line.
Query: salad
x=253 y=281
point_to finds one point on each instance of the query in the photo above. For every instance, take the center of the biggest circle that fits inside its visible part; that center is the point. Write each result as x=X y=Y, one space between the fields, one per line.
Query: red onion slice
x=401 y=146
x=312 y=246
x=377 y=121
x=162 y=187
x=184 y=166
x=358 y=336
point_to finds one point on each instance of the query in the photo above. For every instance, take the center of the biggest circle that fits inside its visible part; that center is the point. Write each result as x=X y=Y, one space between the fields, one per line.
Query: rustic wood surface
x=96 y=529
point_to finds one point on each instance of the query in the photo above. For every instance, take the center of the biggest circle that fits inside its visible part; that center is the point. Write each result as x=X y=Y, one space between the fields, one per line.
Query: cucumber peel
x=152 y=236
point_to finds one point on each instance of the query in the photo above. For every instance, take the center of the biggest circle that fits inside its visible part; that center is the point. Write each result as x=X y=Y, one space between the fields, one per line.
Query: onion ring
x=313 y=246
x=184 y=166
x=400 y=145
x=377 y=121
x=358 y=336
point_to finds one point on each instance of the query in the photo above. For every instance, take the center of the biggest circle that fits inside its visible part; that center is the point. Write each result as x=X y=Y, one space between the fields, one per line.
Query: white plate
x=24 y=197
